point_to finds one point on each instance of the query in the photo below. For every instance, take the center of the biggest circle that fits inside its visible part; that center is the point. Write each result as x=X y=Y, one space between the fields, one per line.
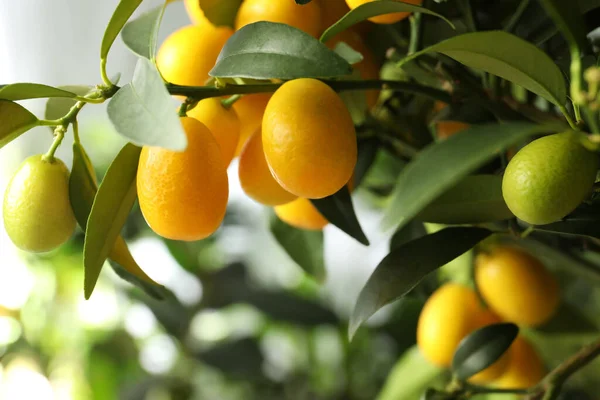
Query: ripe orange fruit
x=309 y=139
x=445 y=129
x=386 y=18
x=301 y=214
x=188 y=54
x=250 y=110
x=451 y=313
x=305 y=17
x=525 y=368
x=333 y=10
x=37 y=210
x=183 y=195
x=222 y=122
x=517 y=286
x=195 y=13
x=255 y=177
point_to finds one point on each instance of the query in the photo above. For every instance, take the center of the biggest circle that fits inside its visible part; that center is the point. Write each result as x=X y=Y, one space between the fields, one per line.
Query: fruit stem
x=227 y=103
x=103 y=73
x=415 y=33
x=568 y=117
x=76 y=131
x=183 y=109
x=59 y=134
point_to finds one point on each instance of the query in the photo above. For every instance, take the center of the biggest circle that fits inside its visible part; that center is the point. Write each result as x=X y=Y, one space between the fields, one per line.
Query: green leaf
x=142 y=111
x=567 y=17
x=367 y=152
x=482 y=348
x=510 y=57
x=441 y=165
x=140 y=35
x=303 y=246
x=220 y=12
x=348 y=53
x=373 y=9
x=23 y=91
x=409 y=232
x=112 y=204
x=476 y=199
x=122 y=13
x=584 y=221
x=338 y=210
x=58 y=107
x=154 y=290
x=16 y=120
x=404 y=267
x=267 y=50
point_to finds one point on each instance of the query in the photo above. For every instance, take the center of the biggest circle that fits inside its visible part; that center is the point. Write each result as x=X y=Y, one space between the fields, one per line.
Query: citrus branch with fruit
x=492 y=141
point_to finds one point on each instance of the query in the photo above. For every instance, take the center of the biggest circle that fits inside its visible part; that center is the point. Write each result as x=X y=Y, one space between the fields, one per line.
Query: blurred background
x=243 y=321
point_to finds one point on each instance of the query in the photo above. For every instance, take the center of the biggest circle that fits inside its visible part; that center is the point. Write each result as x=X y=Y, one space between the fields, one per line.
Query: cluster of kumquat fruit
x=517 y=288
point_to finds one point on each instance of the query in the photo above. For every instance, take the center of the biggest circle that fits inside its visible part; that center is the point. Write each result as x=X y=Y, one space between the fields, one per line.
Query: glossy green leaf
x=16 y=120
x=23 y=91
x=404 y=267
x=510 y=57
x=482 y=348
x=373 y=9
x=367 y=152
x=567 y=17
x=58 y=107
x=409 y=232
x=142 y=111
x=476 y=199
x=441 y=165
x=338 y=210
x=348 y=53
x=267 y=50
x=305 y=247
x=220 y=12
x=122 y=13
x=110 y=209
x=140 y=35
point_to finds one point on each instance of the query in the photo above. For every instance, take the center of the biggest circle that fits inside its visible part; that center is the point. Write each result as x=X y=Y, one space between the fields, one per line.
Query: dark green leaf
x=482 y=348
x=588 y=5
x=23 y=91
x=58 y=107
x=303 y=246
x=441 y=165
x=568 y=320
x=510 y=57
x=16 y=120
x=585 y=221
x=110 y=209
x=567 y=17
x=143 y=112
x=348 y=53
x=140 y=34
x=367 y=152
x=338 y=210
x=373 y=9
x=221 y=12
x=404 y=267
x=302 y=2
x=476 y=199
x=154 y=290
x=409 y=232
x=116 y=23
x=267 y=50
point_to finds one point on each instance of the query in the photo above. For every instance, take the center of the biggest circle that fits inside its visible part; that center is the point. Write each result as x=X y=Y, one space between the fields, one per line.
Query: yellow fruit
x=385 y=18
x=37 y=210
x=516 y=286
x=255 y=177
x=183 y=195
x=525 y=368
x=445 y=129
x=250 y=110
x=222 y=122
x=188 y=54
x=305 y=17
x=309 y=139
x=301 y=214
x=549 y=178
x=195 y=12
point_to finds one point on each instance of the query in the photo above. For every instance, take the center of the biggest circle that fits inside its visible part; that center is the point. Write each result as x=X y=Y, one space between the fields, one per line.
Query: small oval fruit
x=306 y=17
x=549 y=178
x=517 y=286
x=250 y=110
x=37 y=211
x=385 y=18
x=301 y=214
x=525 y=368
x=188 y=54
x=222 y=122
x=309 y=139
x=255 y=177
x=183 y=195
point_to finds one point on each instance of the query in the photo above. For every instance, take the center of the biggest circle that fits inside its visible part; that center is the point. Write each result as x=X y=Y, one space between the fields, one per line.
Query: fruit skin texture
x=188 y=54
x=517 y=286
x=549 y=178
x=309 y=139
x=386 y=18
x=301 y=214
x=449 y=315
x=183 y=195
x=37 y=210
x=222 y=122
x=250 y=110
x=304 y=17
x=525 y=368
x=255 y=177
